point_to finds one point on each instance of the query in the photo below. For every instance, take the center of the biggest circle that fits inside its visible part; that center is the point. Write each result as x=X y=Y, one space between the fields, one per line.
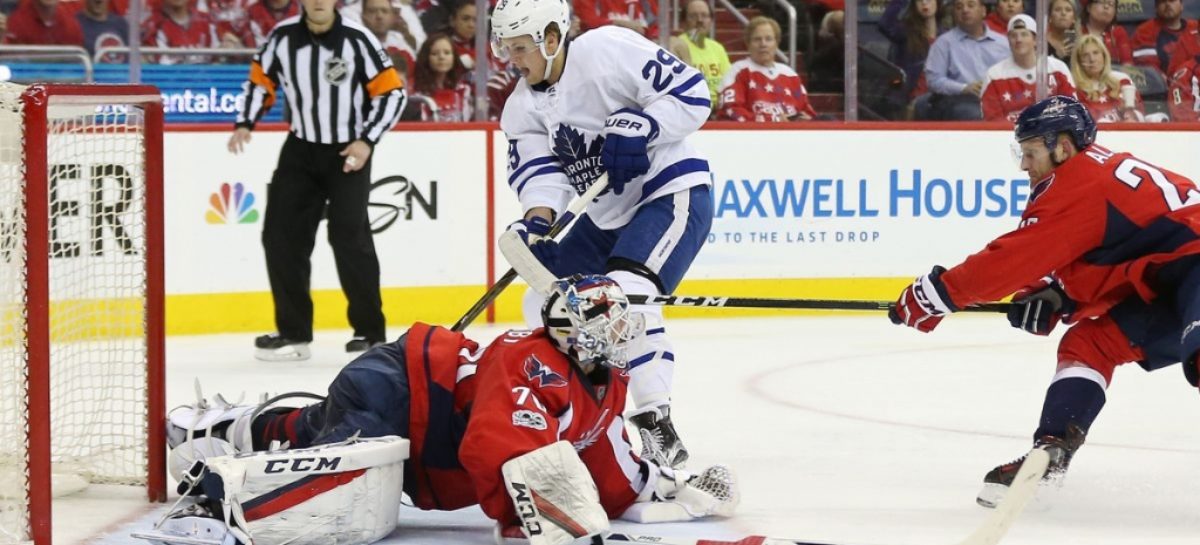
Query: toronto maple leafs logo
x=580 y=160
x=542 y=376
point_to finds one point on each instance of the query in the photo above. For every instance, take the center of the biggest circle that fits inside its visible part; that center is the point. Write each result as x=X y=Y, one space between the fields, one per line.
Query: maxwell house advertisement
x=845 y=204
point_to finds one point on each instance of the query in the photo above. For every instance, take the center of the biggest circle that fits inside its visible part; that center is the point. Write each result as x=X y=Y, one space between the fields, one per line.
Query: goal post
x=81 y=284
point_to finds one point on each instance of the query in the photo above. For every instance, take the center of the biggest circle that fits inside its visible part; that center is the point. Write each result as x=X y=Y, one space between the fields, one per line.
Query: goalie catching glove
x=675 y=495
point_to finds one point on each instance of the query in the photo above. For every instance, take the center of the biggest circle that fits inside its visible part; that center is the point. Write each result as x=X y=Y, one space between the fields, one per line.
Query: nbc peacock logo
x=232 y=204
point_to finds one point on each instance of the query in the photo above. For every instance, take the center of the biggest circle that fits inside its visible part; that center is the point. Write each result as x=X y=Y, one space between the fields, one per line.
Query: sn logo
x=301 y=465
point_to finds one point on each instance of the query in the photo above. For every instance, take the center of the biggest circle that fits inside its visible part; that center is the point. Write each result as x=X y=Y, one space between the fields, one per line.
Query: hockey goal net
x=81 y=297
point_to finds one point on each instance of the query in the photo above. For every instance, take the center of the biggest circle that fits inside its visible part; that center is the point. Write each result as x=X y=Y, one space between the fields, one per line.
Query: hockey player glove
x=1039 y=310
x=535 y=232
x=627 y=135
x=922 y=304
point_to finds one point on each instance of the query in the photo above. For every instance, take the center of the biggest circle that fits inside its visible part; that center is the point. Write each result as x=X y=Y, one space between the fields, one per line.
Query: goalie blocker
x=475 y=417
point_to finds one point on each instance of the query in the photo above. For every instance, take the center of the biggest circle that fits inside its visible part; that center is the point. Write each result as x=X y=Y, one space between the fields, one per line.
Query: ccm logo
x=623 y=124
x=302 y=464
x=526 y=510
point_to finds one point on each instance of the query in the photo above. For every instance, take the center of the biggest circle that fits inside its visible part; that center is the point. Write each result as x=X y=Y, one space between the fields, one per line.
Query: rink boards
x=831 y=213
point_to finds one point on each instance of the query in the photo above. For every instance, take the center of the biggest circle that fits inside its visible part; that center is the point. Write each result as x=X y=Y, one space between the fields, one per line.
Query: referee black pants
x=308 y=184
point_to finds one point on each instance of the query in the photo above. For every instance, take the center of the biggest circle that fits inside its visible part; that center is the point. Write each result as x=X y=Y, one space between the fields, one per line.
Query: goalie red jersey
x=529 y=396
x=1103 y=223
x=753 y=92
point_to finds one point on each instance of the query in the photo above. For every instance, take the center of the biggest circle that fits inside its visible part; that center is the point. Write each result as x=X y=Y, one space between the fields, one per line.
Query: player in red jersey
x=1110 y=245
x=479 y=420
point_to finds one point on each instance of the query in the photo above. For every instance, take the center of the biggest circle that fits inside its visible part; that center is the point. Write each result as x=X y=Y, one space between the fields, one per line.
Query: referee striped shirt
x=340 y=85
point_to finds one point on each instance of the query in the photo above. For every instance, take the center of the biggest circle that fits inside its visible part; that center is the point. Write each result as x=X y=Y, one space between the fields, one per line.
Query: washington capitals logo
x=580 y=160
x=542 y=376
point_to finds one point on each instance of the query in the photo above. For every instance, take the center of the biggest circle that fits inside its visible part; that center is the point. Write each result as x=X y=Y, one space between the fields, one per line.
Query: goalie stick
x=573 y=210
x=990 y=532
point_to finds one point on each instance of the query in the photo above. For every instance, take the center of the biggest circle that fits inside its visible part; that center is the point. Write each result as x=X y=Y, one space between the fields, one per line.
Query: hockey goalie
x=530 y=428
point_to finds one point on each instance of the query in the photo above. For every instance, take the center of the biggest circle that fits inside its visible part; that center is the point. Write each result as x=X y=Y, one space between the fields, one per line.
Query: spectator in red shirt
x=1100 y=19
x=1002 y=12
x=379 y=17
x=1011 y=84
x=461 y=27
x=1157 y=40
x=625 y=13
x=264 y=15
x=1183 y=96
x=439 y=75
x=42 y=22
x=1109 y=95
x=179 y=25
x=759 y=89
x=231 y=19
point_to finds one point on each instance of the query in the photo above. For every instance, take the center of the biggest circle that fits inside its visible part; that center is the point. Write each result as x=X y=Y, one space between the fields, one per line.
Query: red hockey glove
x=1039 y=310
x=922 y=305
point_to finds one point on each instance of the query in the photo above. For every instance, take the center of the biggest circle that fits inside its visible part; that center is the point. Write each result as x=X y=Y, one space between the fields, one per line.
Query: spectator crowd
x=953 y=59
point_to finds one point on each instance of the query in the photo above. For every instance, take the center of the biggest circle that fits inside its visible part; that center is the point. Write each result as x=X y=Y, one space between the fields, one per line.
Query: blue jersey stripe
x=512 y=178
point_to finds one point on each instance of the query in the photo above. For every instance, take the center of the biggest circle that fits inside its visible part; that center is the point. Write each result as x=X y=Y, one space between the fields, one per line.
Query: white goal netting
x=96 y=225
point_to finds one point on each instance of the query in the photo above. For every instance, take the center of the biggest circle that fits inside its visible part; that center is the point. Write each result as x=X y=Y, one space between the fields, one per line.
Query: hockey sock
x=1075 y=396
x=651 y=356
x=278 y=424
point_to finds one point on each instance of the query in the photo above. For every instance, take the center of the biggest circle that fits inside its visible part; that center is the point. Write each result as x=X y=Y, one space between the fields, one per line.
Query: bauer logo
x=231 y=204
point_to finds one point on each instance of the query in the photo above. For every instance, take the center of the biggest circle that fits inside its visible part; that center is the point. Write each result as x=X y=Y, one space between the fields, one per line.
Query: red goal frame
x=36 y=100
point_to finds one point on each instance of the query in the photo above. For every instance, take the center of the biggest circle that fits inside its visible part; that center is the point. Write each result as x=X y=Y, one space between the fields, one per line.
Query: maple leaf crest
x=579 y=158
x=569 y=144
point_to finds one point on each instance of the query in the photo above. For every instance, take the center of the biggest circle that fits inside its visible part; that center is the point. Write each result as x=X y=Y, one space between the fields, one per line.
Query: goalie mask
x=588 y=318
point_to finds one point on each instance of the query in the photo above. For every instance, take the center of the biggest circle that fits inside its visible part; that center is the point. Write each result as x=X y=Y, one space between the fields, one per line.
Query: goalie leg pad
x=346 y=493
x=554 y=495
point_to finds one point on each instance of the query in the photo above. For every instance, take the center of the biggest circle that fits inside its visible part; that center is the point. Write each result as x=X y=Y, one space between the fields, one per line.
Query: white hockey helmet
x=515 y=18
x=588 y=318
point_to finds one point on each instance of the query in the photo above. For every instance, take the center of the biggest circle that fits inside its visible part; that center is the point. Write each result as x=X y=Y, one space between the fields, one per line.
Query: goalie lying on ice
x=530 y=428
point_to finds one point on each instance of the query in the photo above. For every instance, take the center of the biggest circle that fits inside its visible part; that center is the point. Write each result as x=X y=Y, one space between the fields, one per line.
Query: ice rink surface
x=843 y=429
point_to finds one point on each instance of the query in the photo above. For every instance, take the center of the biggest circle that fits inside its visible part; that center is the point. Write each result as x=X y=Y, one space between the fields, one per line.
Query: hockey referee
x=343 y=94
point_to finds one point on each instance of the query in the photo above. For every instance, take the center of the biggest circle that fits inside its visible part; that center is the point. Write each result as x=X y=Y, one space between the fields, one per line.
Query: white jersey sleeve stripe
x=688 y=85
x=516 y=174
x=552 y=169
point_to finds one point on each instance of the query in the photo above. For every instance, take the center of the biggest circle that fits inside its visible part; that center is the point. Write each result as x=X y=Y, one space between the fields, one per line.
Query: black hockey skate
x=660 y=441
x=276 y=347
x=997 y=481
x=361 y=344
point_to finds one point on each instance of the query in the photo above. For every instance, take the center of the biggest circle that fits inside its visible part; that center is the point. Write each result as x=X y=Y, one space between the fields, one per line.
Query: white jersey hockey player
x=612 y=102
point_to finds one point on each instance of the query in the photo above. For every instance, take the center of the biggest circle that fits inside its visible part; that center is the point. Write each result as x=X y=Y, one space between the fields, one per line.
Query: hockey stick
x=759 y=302
x=1020 y=492
x=539 y=278
x=573 y=210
